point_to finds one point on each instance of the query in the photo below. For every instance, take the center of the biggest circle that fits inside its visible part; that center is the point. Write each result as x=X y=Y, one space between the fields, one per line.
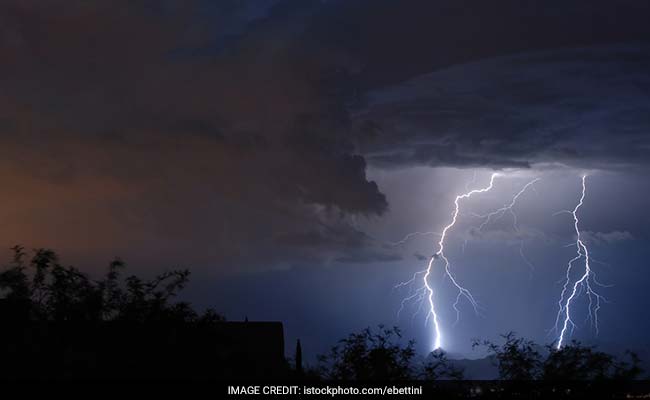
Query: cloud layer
x=144 y=125
x=209 y=133
x=582 y=107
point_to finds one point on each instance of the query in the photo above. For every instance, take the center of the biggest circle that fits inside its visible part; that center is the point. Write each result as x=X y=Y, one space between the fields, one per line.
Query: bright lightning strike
x=582 y=284
x=440 y=254
x=426 y=291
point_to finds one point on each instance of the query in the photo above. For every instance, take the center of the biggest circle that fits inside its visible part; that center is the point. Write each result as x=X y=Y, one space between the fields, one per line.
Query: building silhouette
x=141 y=351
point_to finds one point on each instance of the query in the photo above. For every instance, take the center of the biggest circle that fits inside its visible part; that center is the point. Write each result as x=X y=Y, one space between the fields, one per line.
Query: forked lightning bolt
x=499 y=213
x=583 y=283
x=441 y=252
x=487 y=218
x=426 y=291
x=568 y=296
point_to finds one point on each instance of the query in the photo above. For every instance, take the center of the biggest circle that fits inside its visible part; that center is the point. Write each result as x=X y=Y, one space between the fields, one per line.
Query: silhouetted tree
x=45 y=290
x=381 y=355
x=521 y=359
x=437 y=366
x=14 y=281
x=517 y=358
x=578 y=362
x=369 y=355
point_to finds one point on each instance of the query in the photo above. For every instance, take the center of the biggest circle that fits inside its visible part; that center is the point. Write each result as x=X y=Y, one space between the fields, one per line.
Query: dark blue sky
x=277 y=148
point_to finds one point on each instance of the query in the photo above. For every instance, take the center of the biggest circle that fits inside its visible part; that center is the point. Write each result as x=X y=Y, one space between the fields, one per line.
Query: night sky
x=278 y=149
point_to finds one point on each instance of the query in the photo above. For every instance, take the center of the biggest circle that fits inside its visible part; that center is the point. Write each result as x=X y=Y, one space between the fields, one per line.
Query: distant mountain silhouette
x=477 y=369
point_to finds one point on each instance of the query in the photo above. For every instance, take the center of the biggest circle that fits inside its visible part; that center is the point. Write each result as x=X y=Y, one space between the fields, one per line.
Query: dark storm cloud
x=393 y=41
x=583 y=107
x=181 y=127
x=222 y=129
x=472 y=118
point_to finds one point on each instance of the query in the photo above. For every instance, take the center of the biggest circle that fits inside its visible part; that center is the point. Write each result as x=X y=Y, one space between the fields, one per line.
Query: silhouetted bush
x=438 y=366
x=379 y=356
x=521 y=359
x=44 y=290
x=578 y=362
x=517 y=358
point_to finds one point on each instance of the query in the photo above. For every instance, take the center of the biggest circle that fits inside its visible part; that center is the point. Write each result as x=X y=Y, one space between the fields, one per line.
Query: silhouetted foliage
x=14 y=280
x=369 y=355
x=378 y=355
x=521 y=359
x=45 y=290
x=60 y=324
x=577 y=362
x=437 y=366
x=517 y=358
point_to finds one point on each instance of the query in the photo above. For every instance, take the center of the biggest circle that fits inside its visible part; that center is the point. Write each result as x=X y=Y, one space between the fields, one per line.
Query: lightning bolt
x=410 y=235
x=426 y=292
x=531 y=266
x=499 y=213
x=440 y=254
x=582 y=284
